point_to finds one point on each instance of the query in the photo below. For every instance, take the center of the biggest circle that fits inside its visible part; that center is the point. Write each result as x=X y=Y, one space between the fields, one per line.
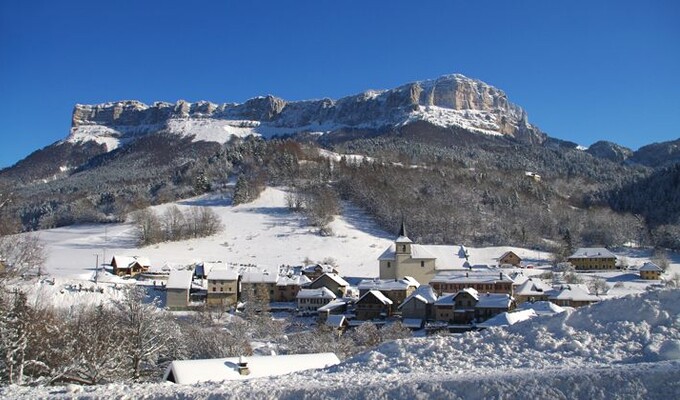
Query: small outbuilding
x=650 y=271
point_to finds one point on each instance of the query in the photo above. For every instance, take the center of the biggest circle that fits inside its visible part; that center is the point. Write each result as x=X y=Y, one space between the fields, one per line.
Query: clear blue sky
x=583 y=70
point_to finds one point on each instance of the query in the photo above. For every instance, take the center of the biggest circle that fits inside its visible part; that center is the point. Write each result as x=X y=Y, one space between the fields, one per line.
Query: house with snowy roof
x=338 y=322
x=190 y=372
x=260 y=280
x=314 y=271
x=333 y=282
x=178 y=288
x=288 y=286
x=394 y=289
x=509 y=258
x=335 y=307
x=455 y=281
x=223 y=286
x=444 y=309
x=588 y=258
x=533 y=289
x=492 y=304
x=130 y=265
x=310 y=300
x=650 y=271
x=419 y=304
x=573 y=296
x=373 y=305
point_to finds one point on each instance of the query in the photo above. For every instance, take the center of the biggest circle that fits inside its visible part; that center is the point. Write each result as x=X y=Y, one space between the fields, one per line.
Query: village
x=427 y=288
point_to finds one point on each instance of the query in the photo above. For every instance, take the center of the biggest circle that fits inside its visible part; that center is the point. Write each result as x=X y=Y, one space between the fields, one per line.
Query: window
x=389 y=264
x=403 y=248
x=214 y=289
x=422 y=263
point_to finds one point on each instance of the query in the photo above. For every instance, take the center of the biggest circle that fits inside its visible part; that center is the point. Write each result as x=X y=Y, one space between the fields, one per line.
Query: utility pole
x=96 y=269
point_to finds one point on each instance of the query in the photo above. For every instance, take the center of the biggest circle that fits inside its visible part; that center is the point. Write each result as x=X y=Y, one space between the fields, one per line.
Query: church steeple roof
x=402 y=234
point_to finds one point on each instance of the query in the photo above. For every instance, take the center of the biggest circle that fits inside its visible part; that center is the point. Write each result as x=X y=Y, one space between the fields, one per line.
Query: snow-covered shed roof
x=593 y=252
x=226 y=369
x=222 y=274
x=412 y=323
x=180 y=279
x=508 y=318
x=335 y=321
x=378 y=295
x=494 y=300
x=507 y=253
x=320 y=293
x=424 y=293
x=542 y=307
x=650 y=266
x=324 y=268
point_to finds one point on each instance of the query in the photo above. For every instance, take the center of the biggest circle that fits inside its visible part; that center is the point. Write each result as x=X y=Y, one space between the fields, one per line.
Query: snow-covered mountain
x=448 y=101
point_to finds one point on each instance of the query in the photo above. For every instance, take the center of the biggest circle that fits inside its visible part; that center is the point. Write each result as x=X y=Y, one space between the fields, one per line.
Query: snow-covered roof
x=542 y=307
x=388 y=284
x=334 y=277
x=128 y=261
x=650 y=266
x=378 y=295
x=593 y=252
x=494 y=300
x=297 y=280
x=533 y=287
x=324 y=268
x=180 y=279
x=222 y=274
x=447 y=299
x=335 y=321
x=508 y=318
x=403 y=239
x=257 y=275
x=337 y=303
x=413 y=323
x=423 y=293
x=466 y=277
x=226 y=369
x=574 y=293
x=320 y=293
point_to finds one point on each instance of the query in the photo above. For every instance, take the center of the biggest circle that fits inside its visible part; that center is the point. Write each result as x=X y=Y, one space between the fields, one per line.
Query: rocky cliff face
x=449 y=101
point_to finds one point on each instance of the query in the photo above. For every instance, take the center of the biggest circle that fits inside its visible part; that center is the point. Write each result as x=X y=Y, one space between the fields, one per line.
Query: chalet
x=650 y=271
x=178 y=288
x=492 y=304
x=333 y=282
x=129 y=266
x=314 y=271
x=223 y=287
x=572 y=296
x=455 y=281
x=373 y=305
x=533 y=289
x=313 y=299
x=509 y=258
x=588 y=258
x=394 y=289
x=419 y=304
x=444 y=308
x=190 y=372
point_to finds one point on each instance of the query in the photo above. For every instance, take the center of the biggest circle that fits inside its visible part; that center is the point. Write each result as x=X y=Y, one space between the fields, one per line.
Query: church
x=422 y=262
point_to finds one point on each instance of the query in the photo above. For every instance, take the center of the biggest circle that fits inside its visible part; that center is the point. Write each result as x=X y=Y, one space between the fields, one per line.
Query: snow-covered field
x=625 y=348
